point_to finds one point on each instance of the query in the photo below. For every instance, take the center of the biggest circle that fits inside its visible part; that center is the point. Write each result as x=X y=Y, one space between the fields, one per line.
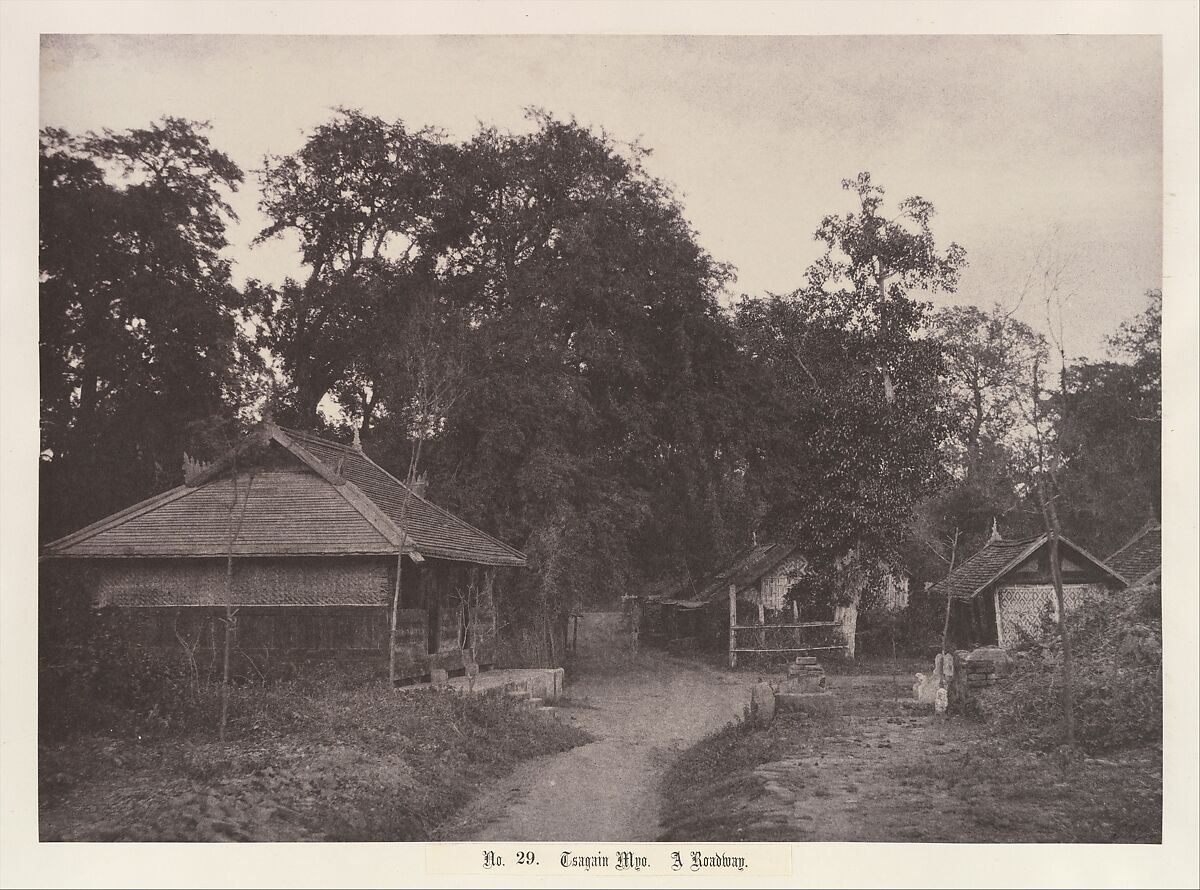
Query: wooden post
x=733 y=625
x=395 y=617
x=762 y=620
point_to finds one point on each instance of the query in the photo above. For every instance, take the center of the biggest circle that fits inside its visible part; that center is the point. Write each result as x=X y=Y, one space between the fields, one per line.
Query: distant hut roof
x=747 y=567
x=330 y=500
x=1140 y=561
x=999 y=557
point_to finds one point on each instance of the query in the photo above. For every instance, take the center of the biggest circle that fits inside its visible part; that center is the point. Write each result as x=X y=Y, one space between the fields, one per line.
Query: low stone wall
x=978 y=669
x=957 y=677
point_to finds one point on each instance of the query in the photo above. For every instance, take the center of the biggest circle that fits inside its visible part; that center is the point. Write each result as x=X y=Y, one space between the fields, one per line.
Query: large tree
x=844 y=410
x=989 y=365
x=362 y=196
x=139 y=334
x=594 y=416
x=1109 y=430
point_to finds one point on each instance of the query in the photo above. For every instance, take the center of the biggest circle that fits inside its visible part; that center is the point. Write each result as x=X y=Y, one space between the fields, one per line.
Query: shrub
x=1117 y=647
x=92 y=677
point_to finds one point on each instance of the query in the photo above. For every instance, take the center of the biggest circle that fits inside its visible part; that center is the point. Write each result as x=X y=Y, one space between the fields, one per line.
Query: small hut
x=1005 y=591
x=313 y=532
x=764 y=602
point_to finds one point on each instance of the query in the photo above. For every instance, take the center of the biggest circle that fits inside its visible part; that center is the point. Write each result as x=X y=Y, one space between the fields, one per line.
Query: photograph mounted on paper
x=600 y=439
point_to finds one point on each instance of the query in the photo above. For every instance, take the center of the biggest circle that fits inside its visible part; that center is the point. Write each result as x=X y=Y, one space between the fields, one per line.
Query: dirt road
x=642 y=712
x=873 y=769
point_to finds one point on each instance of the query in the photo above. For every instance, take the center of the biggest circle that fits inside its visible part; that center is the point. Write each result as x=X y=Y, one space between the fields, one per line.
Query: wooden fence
x=801 y=636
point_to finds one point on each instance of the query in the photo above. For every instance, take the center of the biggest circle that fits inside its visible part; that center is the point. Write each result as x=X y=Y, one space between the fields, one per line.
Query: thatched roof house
x=314 y=528
x=1005 y=590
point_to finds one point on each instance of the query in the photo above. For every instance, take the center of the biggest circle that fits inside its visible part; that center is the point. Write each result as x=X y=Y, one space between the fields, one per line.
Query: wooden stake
x=732 y=625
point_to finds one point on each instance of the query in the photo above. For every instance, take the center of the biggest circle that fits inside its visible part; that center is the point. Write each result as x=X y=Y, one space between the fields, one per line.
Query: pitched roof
x=434 y=531
x=745 y=569
x=331 y=499
x=1140 y=560
x=999 y=557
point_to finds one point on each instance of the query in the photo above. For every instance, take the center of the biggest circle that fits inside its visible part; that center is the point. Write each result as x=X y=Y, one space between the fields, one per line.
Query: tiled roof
x=433 y=531
x=746 y=568
x=332 y=499
x=291 y=511
x=1140 y=560
x=998 y=557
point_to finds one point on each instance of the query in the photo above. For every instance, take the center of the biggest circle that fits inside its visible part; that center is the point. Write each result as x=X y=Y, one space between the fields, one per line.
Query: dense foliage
x=534 y=313
x=1118 y=677
x=140 y=336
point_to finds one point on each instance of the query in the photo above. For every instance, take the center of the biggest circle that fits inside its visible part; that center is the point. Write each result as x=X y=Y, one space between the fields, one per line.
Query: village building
x=1140 y=561
x=763 y=602
x=1003 y=593
x=315 y=532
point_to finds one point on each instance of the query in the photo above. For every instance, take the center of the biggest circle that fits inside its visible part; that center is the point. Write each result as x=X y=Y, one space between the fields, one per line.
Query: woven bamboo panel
x=256 y=582
x=1024 y=607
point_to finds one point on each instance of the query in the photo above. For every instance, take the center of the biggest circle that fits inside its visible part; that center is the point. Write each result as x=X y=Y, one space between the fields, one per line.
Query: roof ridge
x=362 y=453
x=353 y=495
x=303 y=434
x=440 y=509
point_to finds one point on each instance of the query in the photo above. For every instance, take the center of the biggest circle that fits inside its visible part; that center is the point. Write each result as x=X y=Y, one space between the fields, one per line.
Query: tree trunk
x=235 y=530
x=1054 y=531
x=949 y=598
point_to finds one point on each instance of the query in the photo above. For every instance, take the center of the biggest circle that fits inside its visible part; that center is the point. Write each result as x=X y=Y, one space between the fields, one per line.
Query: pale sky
x=1028 y=146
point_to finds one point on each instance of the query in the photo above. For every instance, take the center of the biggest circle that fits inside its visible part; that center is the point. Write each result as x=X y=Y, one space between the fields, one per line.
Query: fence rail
x=802 y=637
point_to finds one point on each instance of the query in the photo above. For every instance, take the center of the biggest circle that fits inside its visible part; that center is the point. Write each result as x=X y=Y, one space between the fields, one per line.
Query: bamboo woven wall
x=295 y=581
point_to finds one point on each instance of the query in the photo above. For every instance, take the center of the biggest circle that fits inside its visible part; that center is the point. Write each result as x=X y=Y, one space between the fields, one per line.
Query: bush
x=913 y=630
x=1117 y=647
x=91 y=677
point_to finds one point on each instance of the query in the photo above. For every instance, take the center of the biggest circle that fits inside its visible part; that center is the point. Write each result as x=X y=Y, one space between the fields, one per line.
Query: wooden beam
x=801 y=624
x=800 y=649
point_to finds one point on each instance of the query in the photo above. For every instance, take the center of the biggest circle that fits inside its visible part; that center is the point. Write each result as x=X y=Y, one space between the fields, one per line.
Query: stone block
x=762 y=704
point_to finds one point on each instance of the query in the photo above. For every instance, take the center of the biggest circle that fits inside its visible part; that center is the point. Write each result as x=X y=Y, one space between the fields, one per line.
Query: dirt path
x=642 y=715
x=873 y=769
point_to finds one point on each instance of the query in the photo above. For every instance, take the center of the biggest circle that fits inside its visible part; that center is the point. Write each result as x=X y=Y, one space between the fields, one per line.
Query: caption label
x=609 y=859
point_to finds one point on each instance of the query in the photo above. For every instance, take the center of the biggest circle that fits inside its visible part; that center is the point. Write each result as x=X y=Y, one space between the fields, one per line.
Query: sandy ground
x=642 y=711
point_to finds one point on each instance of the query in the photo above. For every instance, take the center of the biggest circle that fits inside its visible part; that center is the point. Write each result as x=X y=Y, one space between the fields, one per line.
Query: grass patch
x=710 y=790
x=365 y=764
